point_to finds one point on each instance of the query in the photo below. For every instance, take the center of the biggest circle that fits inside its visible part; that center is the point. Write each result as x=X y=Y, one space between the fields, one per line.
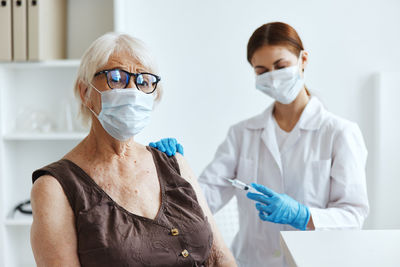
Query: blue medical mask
x=283 y=85
x=124 y=112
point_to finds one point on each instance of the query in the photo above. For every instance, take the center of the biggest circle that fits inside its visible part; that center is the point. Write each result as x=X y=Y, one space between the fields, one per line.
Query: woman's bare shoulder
x=186 y=171
x=47 y=191
x=46 y=183
x=53 y=233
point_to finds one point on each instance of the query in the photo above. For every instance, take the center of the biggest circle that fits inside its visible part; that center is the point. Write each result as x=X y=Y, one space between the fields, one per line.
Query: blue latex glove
x=280 y=208
x=169 y=146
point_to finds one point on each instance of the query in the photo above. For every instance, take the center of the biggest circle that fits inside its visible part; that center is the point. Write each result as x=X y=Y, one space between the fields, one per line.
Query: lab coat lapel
x=269 y=138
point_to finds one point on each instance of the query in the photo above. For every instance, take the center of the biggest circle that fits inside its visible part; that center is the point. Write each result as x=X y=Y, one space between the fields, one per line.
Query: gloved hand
x=280 y=208
x=169 y=146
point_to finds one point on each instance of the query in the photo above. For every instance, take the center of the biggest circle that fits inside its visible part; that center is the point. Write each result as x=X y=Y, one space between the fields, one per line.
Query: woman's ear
x=304 y=58
x=83 y=92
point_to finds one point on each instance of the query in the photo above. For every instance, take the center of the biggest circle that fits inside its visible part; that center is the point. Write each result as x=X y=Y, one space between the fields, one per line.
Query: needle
x=241 y=185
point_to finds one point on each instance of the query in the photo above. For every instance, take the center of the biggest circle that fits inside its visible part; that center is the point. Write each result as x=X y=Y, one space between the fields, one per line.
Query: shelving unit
x=17 y=222
x=28 y=86
x=42 y=91
x=44 y=136
x=41 y=64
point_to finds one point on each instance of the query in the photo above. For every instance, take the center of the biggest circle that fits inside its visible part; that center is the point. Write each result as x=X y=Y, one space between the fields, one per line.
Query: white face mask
x=124 y=112
x=283 y=85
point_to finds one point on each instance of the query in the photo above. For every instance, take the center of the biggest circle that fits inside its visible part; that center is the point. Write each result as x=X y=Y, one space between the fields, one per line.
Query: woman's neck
x=99 y=144
x=287 y=115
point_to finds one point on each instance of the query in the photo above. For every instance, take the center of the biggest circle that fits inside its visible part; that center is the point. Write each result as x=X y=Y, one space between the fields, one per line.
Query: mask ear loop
x=97 y=116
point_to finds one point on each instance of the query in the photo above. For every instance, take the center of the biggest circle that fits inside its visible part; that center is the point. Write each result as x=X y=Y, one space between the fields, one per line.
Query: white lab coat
x=321 y=165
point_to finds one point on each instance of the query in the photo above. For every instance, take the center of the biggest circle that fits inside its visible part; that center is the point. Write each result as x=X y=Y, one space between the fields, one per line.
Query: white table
x=352 y=248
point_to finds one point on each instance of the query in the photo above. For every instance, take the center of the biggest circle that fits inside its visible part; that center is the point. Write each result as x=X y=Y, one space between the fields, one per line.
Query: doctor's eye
x=260 y=71
x=282 y=65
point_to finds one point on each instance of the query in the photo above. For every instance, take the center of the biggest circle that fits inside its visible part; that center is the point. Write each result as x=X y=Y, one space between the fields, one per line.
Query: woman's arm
x=220 y=253
x=348 y=201
x=53 y=233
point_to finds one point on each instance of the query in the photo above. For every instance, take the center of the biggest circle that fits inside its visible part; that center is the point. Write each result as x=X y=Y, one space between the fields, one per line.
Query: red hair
x=274 y=33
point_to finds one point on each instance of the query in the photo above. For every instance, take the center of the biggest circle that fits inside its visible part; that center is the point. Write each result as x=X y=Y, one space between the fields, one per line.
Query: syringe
x=241 y=185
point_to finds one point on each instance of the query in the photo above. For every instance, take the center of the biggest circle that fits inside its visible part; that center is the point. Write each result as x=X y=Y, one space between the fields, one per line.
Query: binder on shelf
x=5 y=30
x=46 y=29
x=19 y=30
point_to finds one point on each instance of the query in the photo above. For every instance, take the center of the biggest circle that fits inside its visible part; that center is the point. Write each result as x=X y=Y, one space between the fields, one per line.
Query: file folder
x=46 y=29
x=5 y=30
x=19 y=30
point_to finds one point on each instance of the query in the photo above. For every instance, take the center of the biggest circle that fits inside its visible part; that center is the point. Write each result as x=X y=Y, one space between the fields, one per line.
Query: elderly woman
x=111 y=201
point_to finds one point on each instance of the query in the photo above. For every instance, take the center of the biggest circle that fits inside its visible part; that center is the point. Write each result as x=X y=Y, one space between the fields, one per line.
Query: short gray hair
x=98 y=54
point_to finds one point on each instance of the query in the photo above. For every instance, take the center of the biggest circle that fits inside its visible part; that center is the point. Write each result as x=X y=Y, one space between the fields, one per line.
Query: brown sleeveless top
x=109 y=235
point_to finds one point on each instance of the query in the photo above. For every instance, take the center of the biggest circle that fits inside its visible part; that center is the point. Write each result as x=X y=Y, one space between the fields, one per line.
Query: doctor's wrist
x=310 y=224
x=302 y=218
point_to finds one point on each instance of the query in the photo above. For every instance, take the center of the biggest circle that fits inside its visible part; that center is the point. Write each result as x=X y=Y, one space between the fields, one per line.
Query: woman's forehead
x=123 y=60
x=275 y=50
x=271 y=53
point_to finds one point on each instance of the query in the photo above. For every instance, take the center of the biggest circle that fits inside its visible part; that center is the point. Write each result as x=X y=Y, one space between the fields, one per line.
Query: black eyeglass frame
x=130 y=74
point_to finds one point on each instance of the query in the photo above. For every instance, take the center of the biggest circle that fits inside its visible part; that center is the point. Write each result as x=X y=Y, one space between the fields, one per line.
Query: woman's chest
x=108 y=236
x=137 y=190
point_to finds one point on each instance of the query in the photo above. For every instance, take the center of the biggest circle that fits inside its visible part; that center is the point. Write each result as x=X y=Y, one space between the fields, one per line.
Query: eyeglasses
x=144 y=81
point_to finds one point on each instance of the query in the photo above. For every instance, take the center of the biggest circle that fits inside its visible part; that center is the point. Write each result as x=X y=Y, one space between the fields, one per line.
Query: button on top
x=185 y=253
x=174 y=231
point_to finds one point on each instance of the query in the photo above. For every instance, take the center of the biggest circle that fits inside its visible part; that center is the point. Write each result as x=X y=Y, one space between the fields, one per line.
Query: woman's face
x=122 y=61
x=274 y=57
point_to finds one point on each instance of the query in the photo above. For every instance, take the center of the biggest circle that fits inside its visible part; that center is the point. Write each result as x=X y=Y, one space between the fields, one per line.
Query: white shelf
x=44 y=136
x=18 y=222
x=68 y=63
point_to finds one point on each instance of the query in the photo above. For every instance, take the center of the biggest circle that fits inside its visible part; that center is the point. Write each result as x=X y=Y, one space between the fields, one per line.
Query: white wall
x=387 y=143
x=201 y=50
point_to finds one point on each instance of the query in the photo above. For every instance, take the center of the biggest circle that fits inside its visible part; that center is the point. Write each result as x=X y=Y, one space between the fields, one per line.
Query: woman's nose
x=131 y=83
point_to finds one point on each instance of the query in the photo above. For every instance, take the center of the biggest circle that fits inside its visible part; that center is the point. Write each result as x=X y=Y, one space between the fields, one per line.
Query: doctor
x=309 y=164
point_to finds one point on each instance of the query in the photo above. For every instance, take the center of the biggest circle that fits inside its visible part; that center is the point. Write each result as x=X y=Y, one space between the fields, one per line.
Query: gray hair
x=98 y=54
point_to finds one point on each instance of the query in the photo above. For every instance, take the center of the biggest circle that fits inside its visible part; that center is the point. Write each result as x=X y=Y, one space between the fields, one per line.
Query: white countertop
x=352 y=248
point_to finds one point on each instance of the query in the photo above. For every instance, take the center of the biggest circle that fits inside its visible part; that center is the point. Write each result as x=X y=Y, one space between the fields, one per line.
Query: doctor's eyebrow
x=277 y=61
x=263 y=67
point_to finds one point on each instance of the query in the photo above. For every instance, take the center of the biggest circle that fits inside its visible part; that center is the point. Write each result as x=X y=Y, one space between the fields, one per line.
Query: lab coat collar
x=311 y=118
x=261 y=120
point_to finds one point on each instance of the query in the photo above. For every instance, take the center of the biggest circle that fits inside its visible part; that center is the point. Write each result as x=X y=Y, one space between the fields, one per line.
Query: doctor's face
x=273 y=57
